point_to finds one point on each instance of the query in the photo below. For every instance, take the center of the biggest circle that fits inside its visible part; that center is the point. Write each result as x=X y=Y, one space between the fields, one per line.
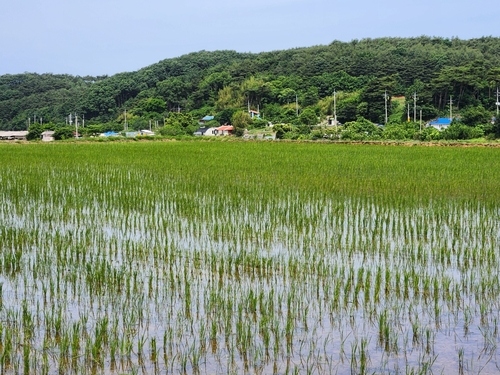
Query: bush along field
x=202 y=257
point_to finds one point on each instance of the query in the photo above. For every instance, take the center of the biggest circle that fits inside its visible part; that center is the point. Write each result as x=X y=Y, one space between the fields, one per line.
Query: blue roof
x=441 y=121
x=208 y=118
x=110 y=134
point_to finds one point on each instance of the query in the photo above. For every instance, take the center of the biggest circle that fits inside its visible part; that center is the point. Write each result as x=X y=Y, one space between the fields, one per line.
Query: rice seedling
x=194 y=257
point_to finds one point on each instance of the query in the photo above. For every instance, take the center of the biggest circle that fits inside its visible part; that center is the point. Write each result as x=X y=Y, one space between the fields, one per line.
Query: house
x=148 y=133
x=14 y=135
x=224 y=130
x=267 y=135
x=441 y=123
x=110 y=134
x=254 y=114
x=204 y=131
x=48 y=136
x=206 y=119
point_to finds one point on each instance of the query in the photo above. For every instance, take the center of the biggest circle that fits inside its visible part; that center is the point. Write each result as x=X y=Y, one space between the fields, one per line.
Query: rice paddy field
x=249 y=258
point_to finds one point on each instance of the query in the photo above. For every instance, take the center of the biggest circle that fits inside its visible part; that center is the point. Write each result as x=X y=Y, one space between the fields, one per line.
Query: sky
x=105 y=37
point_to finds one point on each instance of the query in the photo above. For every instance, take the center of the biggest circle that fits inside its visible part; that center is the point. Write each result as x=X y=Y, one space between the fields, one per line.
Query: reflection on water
x=199 y=283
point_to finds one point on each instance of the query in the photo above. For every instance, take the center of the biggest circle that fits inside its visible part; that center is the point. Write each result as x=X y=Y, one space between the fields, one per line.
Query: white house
x=14 y=135
x=48 y=136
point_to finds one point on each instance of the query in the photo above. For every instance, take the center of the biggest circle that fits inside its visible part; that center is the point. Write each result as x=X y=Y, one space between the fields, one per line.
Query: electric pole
x=385 y=99
x=335 y=108
x=415 y=106
x=296 y=105
x=497 y=103
x=420 y=120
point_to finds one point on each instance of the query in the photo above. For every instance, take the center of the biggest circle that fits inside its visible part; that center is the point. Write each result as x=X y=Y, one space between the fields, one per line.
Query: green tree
x=241 y=120
x=93 y=130
x=150 y=108
x=34 y=132
x=372 y=102
x=473 y=116
x=64 y=132
x=225 y=116
x=361 y=129
x=308 y=117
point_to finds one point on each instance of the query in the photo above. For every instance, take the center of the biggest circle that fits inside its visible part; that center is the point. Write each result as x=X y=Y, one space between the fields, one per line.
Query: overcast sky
x=96 y=37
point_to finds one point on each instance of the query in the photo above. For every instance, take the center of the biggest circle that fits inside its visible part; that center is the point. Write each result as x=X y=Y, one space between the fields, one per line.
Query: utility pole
x=497 y=103
x=335 y=109
x=76 y=125
x=408 y=112
x=420 y=120
x=385 y=99
x=125 y=126
x=415 y=106
x=296 y=105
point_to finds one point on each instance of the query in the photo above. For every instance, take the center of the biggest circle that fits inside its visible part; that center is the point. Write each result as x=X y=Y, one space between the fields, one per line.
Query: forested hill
x=213 y=82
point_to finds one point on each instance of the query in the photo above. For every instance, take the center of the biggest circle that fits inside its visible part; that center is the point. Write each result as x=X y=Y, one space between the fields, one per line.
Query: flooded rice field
x=158 y=258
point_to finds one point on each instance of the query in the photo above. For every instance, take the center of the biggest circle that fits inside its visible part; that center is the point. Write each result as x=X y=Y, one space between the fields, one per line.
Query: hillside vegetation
x=293 y=87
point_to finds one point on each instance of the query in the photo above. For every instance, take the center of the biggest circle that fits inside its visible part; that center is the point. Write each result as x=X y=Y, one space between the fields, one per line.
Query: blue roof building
x=440 y=123
x=206 y=119
x=110 y=134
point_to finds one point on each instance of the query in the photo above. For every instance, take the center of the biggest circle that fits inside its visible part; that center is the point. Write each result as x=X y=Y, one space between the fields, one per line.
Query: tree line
x=293 y=87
